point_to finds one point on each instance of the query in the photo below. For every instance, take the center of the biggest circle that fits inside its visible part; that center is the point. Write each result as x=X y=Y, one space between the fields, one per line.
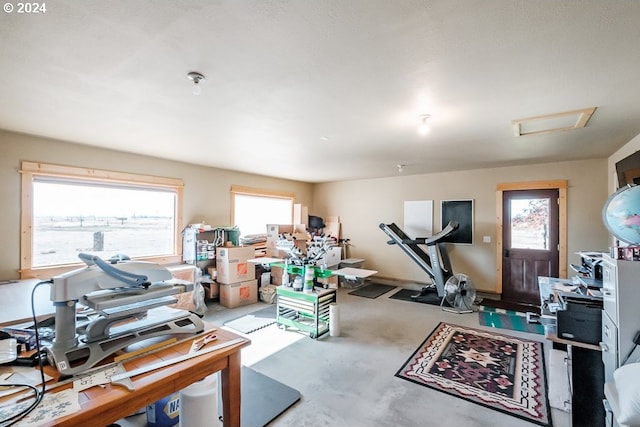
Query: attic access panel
x=556 y=122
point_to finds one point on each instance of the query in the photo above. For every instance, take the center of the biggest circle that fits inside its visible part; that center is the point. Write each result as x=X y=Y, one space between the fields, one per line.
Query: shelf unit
x=307 y=312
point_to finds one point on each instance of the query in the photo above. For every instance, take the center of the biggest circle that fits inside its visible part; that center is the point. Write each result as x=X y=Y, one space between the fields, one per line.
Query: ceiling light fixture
x=423 y=127
x=196 y=77
x=400 y=168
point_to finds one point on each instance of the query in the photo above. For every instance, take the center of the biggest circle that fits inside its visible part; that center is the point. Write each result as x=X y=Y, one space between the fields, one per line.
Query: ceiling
x=322 y=91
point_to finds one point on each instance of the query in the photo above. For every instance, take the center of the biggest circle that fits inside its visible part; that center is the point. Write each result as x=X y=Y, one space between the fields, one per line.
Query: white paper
x=53 y=406
x=97 y=378
x=20 y=375
x=418 y=218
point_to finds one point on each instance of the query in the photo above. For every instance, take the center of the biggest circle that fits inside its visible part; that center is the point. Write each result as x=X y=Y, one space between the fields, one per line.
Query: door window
x=530 y=223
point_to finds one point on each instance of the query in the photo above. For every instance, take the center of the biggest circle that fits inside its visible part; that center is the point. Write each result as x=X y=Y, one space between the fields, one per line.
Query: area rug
x=498 y=371
x=506 y=319
x=373 y=290
x=254 y=321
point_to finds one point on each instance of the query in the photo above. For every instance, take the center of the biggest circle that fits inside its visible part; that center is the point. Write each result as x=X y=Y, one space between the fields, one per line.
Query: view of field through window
x=530 y=224
x=70 y=218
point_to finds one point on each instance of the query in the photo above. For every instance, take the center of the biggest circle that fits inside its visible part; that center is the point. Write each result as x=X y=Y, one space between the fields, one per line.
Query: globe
x=621 y=214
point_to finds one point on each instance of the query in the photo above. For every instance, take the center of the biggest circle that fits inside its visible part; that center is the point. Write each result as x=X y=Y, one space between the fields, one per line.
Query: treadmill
x=435 y=261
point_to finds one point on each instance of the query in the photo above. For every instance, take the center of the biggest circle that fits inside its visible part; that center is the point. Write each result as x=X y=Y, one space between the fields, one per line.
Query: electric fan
x=459 y=294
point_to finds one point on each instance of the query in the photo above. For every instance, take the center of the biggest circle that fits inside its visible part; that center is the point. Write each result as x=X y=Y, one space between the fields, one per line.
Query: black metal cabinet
x=587 y=381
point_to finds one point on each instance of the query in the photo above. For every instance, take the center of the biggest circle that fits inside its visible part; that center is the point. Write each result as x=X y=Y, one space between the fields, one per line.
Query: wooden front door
x=530 y=242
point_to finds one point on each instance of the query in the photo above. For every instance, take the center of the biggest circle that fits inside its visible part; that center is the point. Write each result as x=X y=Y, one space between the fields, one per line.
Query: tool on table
x=144 y=350
x=124 y=378
x=129 y=299
x=199 y=343
x=100 y=377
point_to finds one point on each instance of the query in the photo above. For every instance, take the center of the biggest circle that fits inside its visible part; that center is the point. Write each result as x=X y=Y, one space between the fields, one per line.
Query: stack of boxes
x=273 y=234
x=233 y=278
x=236 y=276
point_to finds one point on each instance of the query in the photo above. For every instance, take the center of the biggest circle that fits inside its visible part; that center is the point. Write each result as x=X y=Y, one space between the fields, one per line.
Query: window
x=253 y=209
x=530 y=222
x=68 y=210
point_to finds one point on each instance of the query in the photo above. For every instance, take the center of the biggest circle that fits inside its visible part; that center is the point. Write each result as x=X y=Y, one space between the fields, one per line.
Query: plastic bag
x=268 y=294
x=198 y=295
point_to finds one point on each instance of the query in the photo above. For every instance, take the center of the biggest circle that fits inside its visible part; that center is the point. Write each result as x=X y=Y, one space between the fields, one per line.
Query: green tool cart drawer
x=306 y=312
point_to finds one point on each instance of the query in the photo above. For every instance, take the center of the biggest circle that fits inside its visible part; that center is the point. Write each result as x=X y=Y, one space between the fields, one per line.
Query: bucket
x=199 y=404
x=165 y=412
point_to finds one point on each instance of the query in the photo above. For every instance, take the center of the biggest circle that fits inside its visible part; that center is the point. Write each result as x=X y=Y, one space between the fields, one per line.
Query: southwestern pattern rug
x=498 y=371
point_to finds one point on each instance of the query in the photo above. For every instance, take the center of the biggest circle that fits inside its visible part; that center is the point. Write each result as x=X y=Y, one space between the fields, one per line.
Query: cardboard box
x=330 y=282
x=211 y=290
x=276 y=253
x=332 y=257
x=233 y=266
x=273 y=233
x=276 y=275
x=183 y=272
x=332 y=229
x=300 y=214
x=238 y=294
x=184 y=300
x=301 y=241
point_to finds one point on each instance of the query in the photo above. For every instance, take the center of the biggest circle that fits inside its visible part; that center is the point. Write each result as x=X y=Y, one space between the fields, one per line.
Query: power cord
x=38 y=394
x=636 y=341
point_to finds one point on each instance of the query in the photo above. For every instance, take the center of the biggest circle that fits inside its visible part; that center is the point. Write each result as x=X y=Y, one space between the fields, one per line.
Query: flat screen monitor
x=628 y=170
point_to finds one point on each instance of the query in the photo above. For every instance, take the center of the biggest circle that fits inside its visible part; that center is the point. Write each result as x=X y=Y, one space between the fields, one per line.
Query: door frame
x=560 y=185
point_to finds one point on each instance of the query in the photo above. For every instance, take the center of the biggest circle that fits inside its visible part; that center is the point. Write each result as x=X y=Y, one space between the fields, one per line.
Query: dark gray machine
x=435 y=261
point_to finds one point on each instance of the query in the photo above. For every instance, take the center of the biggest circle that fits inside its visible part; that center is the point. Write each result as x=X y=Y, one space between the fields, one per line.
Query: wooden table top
x=104 y=405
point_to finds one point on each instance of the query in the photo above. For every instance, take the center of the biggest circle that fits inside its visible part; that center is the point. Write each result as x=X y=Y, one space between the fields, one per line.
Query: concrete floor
x=349 y=380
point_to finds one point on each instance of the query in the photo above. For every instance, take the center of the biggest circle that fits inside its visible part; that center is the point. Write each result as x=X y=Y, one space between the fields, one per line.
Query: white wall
x=362 y=205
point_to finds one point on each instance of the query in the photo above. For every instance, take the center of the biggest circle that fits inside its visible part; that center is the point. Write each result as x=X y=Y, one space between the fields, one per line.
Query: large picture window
x=68 y=210
x=253 y=209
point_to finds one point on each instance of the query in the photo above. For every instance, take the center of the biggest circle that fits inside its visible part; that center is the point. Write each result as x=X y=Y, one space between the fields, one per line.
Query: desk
x=102 y=406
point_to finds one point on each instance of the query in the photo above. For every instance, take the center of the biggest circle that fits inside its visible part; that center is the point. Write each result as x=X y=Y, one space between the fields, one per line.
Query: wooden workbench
x=101 y=406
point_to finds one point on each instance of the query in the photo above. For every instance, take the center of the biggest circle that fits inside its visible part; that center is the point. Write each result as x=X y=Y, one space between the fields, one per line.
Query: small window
x=69 y=210
x=253 y=209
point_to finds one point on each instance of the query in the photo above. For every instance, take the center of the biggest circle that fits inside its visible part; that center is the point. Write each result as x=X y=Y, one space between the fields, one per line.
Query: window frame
x=257 y=192
x=31 y=170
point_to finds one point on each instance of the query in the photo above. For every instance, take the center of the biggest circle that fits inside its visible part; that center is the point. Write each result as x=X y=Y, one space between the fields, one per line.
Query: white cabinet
x=620 y=319
x=621 y=315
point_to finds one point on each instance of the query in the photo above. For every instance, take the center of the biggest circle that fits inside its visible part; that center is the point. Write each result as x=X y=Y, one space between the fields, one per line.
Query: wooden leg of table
x=231 y=392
